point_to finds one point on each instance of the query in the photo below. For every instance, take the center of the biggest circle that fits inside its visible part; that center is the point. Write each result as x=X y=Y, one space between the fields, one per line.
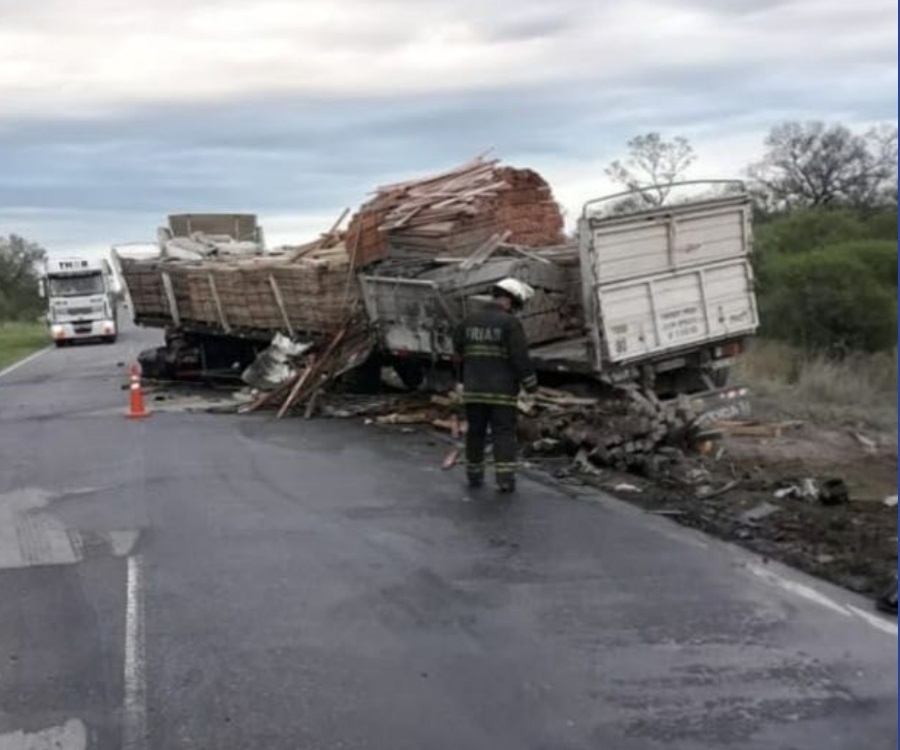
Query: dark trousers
x=502 y=423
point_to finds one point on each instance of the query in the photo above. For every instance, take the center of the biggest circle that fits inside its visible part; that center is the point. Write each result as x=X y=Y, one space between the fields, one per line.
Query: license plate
x=723 y=405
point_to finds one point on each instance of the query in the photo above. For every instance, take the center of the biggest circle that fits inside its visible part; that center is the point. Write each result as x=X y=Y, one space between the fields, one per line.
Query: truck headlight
x=58 y=331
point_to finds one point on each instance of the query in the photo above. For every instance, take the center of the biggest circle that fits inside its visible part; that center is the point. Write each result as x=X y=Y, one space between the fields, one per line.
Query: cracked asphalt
x=323 y=584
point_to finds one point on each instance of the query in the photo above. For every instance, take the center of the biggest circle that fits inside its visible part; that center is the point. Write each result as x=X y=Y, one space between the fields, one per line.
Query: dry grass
x=18 y=340
x=859 y=390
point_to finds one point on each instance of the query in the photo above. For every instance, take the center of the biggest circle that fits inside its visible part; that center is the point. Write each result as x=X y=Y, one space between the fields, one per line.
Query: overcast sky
x=114 y=113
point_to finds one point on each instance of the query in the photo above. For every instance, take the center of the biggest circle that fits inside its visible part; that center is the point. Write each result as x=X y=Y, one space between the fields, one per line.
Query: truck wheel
x=411 y=374
x=366 y=378
x=60 y=343
x=720 y=376
x=110 y=339
x=686 y=380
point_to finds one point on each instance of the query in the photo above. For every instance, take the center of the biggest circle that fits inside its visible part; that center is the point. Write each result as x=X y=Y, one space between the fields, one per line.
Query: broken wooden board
x=756 y=429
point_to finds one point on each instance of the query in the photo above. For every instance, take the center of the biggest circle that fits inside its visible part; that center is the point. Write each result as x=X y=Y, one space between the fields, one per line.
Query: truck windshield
x=76 y=286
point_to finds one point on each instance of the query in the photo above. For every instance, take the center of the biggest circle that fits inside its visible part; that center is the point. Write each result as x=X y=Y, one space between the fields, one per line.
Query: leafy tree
x=19 y=273
x=652 y=166
x=814 y=164
x=841 y=297
x=805 y=229
x=881 y=224
x=878 y=256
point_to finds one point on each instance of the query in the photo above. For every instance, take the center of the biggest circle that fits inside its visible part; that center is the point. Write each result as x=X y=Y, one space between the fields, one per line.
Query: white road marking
x=875 y=621
x=70 y=736
x=134 y=731
x=800 y=589
x=22 y=362
x=811 y=594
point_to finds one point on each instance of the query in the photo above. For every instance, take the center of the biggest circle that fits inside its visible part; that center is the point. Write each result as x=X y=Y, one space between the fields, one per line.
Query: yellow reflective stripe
x=484 y=350
x=489 y=398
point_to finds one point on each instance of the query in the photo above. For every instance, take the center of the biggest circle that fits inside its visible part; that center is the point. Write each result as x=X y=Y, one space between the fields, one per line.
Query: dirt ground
x=732 y=495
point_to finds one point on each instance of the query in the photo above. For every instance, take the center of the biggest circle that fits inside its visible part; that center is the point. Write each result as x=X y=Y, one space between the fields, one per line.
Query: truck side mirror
x=42 y=288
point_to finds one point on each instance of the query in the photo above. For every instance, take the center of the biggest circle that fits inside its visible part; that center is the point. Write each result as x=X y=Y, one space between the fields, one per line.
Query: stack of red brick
x=454 y=213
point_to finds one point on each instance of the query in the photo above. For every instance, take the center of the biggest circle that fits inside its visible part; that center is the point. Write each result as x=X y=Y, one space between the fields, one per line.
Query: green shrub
x=879 y=256
x=805 y=230
x=835 y=299
x=881 y=225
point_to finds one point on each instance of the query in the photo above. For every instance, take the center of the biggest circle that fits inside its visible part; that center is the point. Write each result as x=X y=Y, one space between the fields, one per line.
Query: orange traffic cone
x=136 y=408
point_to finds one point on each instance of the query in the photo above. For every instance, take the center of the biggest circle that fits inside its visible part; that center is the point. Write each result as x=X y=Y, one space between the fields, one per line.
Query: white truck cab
x=81 y=299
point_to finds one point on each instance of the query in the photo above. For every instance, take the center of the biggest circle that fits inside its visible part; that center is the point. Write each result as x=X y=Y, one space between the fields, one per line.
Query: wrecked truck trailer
x=661 y=297
x=212 y=303
x=221 y=300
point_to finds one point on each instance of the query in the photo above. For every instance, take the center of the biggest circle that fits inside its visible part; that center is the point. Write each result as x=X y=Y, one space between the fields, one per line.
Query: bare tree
x=814 y=164
x=652 y=166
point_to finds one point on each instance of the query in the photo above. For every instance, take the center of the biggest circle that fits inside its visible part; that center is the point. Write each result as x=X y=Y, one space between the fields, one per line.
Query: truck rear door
x=667 y=279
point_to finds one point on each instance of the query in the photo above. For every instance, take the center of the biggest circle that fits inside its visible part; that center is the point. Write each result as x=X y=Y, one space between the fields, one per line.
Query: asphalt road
x=199 y=581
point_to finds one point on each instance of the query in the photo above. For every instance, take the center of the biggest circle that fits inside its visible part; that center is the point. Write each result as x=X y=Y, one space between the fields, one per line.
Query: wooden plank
x=317 y=367
x=279 y=300
x=218 y=302
x=321 y=242
x=170 y=296
x=755 y=429
x=481 y=254
x=301 y=381
x=525 y=254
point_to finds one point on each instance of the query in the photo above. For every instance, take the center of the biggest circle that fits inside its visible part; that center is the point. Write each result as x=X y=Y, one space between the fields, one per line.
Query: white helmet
x=516 y=289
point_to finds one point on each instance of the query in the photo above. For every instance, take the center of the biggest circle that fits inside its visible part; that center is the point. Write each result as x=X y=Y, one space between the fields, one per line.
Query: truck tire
x=365 y=379
x=720 y=376
x=411 y=373
x=110 y=339
x=60 y=344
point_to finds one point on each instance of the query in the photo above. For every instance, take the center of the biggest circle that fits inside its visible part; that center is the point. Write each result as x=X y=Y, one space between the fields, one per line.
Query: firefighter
x=493 y=355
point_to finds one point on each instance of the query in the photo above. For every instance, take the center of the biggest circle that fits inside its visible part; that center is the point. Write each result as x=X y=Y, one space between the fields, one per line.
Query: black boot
x=506 y=485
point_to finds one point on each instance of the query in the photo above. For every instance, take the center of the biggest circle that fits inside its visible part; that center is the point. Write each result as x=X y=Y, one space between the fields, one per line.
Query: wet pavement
x=200 y=581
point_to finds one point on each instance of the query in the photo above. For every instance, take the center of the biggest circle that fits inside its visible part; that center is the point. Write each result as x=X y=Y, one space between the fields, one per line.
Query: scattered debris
x=723 y=490
x=870 y=445
x=758 y=512
x=625 y=487
x=582 y=463
x=272 y=367
x=320 y=367
x=451 y=459
x=891 y=501
x=828 y=492
x=758 y=429
x=421 y=416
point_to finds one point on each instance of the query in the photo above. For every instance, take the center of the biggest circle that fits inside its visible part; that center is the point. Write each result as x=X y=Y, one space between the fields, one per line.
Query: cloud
x=119 y=111
x=105 y=55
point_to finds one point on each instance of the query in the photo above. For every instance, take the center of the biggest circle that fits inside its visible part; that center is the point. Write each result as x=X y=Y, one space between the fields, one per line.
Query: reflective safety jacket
x=490 y=344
